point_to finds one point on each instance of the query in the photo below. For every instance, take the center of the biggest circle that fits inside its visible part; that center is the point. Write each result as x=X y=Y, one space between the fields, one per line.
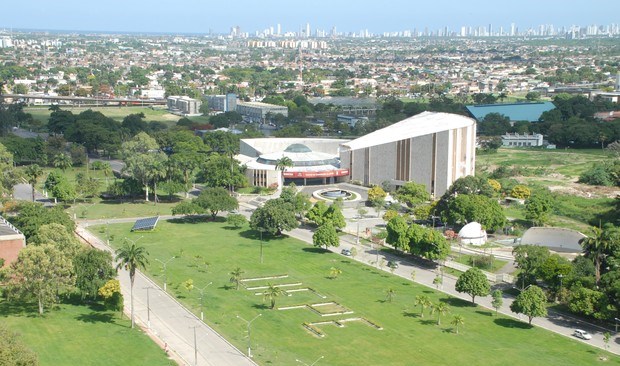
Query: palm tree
x=334 y=272
x=271 y=294
x=596 y=248
x=457 y=321
x=131 y=257
x=441 y=308
x=235 y=277
x=32 y=173
x=389 y=294
x=283 y=163
x=423 y=302
x=62 y=161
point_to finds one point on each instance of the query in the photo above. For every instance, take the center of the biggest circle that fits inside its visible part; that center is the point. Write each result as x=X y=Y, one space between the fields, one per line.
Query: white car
x=582 y=334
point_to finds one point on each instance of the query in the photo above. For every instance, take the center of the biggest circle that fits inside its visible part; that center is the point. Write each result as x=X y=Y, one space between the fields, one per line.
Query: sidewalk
x=171 y=323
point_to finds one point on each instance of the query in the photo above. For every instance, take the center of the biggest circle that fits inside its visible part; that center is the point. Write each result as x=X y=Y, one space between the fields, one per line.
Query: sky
x=202 y=16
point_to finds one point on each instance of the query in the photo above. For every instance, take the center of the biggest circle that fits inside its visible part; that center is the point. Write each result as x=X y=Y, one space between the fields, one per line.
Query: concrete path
x=170 y=322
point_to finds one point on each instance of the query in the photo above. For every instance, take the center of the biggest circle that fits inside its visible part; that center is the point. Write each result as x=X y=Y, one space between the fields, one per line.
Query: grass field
x=81 y=335
x=466 y=259
x=209 y=251
x=157 y=114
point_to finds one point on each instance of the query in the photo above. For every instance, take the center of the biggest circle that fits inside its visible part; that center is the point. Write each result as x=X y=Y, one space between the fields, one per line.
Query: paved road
x=171 y=322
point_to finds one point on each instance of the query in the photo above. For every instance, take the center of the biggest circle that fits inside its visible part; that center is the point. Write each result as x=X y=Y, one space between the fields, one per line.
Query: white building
x=525 y=140
x=431 y=148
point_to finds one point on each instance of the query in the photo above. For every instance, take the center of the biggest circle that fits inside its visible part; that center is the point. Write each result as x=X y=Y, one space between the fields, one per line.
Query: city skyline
x=376 y=18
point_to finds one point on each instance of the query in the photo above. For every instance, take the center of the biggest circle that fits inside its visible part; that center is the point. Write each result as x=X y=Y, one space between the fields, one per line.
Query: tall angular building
x=431 y=148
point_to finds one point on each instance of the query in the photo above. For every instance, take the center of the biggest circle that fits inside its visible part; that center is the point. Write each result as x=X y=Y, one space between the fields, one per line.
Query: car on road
x=392 y=264
x=346 y=252
x=582 y=334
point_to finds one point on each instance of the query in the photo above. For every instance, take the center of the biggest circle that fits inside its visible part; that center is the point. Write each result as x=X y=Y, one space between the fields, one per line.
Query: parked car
x=582 y=334
x=392 y=264
x=346 y=252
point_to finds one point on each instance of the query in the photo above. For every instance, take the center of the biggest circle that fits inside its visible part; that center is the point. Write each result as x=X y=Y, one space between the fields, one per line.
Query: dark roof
x=7 y=229
x=515 y=111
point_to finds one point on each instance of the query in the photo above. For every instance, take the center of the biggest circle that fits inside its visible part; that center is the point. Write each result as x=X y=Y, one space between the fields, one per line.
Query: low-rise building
x=11 y=241
x=223 y=103
x=183 y=105
x=257 y=111
x=525 y=140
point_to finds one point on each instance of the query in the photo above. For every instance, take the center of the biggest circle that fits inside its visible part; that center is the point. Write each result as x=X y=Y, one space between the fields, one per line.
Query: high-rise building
x=279 y=29
x=307 y=29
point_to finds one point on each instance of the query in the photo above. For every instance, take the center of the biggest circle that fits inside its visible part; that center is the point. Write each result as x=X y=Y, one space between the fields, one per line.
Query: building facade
x=431 y=148
x=222 y=103
x=183 y=105
x=11 y=242
x=525 y=140
x=257 y=111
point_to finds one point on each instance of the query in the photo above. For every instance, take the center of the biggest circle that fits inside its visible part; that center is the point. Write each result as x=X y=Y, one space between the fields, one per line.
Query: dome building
x=315 y=161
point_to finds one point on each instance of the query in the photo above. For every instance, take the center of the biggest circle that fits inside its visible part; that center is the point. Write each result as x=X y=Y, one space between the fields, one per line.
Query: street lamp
x=202 y=295
x=148 y=307
x=165 y=264
x=616 y=320
x=249 y=323
x=312 y=364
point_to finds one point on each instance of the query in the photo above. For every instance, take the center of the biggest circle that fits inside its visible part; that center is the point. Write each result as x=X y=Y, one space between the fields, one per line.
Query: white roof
x=419 y=125
x=473 y=230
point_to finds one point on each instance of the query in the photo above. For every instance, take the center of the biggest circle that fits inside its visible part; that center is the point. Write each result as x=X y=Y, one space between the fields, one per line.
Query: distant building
x=11 y=242
x=184 y=105
x=525 y=140
x=430 y=148
x=257 y=111
x=223 y=103
x=351 y=120
x=530 y=112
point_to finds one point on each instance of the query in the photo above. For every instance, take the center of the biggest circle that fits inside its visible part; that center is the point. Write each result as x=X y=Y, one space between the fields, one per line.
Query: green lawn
x=80 y=335
x=106 y=209
x=157 y=114
x=207 y=252
x=466 y=259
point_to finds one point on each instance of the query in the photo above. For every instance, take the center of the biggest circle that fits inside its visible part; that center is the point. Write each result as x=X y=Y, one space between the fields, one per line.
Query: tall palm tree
x=596 y=248
x=389 y=294
x=283 y=163
x=423 y=302
x=62 y=161
x=33 y=172
x=271 y=294
x=441 y=308
x=131 y=257
x=235 y=277
x=457 y=321
x=334 y=272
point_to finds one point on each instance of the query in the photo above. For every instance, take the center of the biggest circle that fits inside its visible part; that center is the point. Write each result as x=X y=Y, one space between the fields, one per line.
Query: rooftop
x=419 y=125
x=514 y=111
x=6 y=229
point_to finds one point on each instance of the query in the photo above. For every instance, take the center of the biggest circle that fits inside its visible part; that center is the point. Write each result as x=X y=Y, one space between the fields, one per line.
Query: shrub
x=481 y=261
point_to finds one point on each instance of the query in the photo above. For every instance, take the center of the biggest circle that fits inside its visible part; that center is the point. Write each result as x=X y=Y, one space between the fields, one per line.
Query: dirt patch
x=586 y=191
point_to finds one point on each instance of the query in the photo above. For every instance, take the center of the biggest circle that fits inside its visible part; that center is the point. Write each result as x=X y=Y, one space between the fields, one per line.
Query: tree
x=92 y=268
x=427 y=243
x=131 y=257
x=520 y=191
x=532 y=96
x=9 y=176
x=326 y=235
x=215 y=200
x=142 y=158
x=40 y=272
x=222 y=171
x=334 y=215
x=274 y=217
x=317 y=213
x=423 y=301
x=334 y=272
x=134 y=123
x=474 y=283
x=389 y=294
x=475 y=207
x=397 y=233
x=63 y=161
x=598 y=246
x=282 y=164
x=538 y=207
x=412 y=194
x=235 y=277
x=530 y=302
x=13 y=351
x=376 y=194
x=441 y=308
x=56 y=235
x=457 y=321
x=112 y=296
x=529 y=259
x=236 y=220
x=32 y=216
x=33 y=172
x=271 y=294
x=498 y=300
x=59 y=187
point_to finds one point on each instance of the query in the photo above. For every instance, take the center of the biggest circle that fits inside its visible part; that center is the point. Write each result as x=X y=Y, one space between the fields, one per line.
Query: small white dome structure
x=473 y=233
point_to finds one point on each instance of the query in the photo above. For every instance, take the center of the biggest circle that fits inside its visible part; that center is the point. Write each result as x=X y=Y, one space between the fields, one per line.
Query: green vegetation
x=80 y=335
x=42 y=114
x=276 y=335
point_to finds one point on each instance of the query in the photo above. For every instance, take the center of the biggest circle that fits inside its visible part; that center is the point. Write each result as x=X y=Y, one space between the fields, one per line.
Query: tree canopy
x=474 y=283
x=531 y=302
x=275 y=216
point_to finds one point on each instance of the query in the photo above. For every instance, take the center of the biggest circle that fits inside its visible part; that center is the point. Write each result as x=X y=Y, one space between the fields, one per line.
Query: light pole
x=312 y=364
x=165 y=264
x=148 y=307
x=195 y=346
x=202 y=295
x=616 y=320
x=249 y=323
